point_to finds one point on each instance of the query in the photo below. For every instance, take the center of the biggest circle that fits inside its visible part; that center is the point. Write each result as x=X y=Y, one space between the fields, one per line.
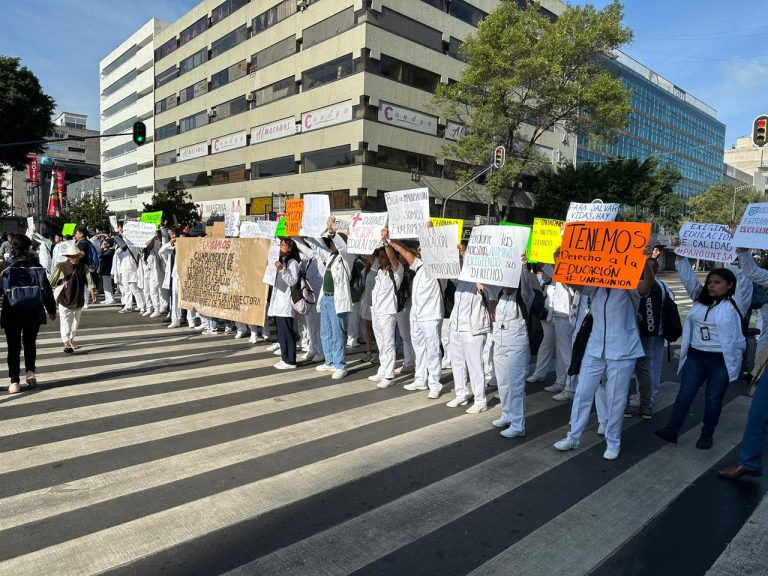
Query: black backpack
x=22 y=287
x=670 y=318
x=533 y=318
x=404 y=290
x=357 y=281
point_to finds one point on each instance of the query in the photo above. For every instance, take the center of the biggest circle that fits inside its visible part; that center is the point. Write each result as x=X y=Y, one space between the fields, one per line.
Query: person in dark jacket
x=105 y=269
x=72 y=277
x=21 y=324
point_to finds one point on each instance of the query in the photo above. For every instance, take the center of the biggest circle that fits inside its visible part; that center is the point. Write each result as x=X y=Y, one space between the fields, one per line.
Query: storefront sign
x=273 y=130
x=207 y=208
x=194 y=151
x=407 y=118
x=228 y=142
x=327 y=116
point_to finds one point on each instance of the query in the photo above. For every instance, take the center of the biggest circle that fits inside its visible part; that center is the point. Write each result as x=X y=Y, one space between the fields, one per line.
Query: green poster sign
x=152 y=218
x=68 y=229
x=280 y=231
x=530 y=237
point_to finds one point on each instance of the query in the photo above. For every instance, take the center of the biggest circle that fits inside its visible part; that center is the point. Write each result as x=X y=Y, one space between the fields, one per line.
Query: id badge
x=704 y=331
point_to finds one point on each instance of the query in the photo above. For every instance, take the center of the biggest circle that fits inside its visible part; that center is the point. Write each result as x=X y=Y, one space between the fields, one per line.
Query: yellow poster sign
x=546 y=237
x=447 y=222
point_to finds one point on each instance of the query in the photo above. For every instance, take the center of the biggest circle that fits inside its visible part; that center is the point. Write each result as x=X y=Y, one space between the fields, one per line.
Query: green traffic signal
x=139 y=133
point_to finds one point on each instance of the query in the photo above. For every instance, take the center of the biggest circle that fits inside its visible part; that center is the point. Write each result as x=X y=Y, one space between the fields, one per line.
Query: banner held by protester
x=494 y=255
x=752 y=231
x=592 y=212
x=258 y=229
x=314 y=219
x=458 y=222
x=231 y=224
x=706 y=242
x=439 y=252
x=408 y=211
x=365 y=232
x=546 y=236
x=294 y=212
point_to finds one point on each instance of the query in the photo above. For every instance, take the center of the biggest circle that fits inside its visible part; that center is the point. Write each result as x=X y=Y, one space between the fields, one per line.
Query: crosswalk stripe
x=747 y=554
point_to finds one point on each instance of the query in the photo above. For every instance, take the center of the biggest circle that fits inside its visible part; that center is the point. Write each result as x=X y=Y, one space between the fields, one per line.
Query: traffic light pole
x=460 y=188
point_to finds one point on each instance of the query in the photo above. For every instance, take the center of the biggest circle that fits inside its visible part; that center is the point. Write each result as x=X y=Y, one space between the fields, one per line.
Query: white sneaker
x=352 y=345
x=239 y=335
x=284 y=366
x=385 y=383
x=338 y=374
x=147 y=313
x=155 y=315
x=566 y=444
x=124 y=310
x=415 y=386
x=209 y=331
x=325 y=368
x=405 y=370
x=273 y=347
x=475 y=409
x=533 y=379
x=500 y=423
x=601 y=429
x=554 y=388
x=433 y=394
x=611 y=453
x=564 y=395
x=199 y=328
x=375 y=377
x=509 y=433
x=174 y=325
x=456 y=402
x=252 y=340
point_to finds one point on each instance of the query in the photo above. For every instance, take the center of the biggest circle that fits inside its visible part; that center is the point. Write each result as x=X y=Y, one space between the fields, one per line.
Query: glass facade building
x=667 y=122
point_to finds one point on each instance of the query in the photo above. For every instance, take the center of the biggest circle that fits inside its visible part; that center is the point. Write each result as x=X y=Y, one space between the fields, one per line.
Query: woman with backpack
x=71 y=279
x=281 y=305
x=27 y=295
x=712 y=345
x=105 y=269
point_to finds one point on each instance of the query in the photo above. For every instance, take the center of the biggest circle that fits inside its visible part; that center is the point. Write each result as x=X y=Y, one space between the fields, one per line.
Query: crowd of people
x=599 y=338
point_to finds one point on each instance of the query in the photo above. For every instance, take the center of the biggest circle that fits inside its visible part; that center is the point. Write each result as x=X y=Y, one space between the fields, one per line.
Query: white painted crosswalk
x=156 y=451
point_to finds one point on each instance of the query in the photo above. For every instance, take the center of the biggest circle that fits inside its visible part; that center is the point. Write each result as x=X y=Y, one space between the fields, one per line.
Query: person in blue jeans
x=752 y=444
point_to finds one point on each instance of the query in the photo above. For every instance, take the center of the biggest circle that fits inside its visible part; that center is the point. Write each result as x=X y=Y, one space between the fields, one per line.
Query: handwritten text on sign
x=408 y=212
x=458 y=222
x=365 y=232
x=231 y=224
x=592 y=212
x=608 y=254
x=439 y=253
x=258 y=229
x=752 y=231
x=546 y=237
x=138 y=234
x=294 y=211
x=493 y=255
x=707 y=242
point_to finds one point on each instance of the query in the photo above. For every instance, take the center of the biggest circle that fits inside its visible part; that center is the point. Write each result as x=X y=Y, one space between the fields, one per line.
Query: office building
x=747 y=158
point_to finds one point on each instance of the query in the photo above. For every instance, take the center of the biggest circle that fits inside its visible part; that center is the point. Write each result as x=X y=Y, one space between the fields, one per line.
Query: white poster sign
x=273 y=130
x=193 y=151
x=270 y=274
x=341 y=223
x=408 y=212
x=752 y=231
x=706 y=242
x=493 y=255
x=326 y=116
x=30 y=227
x=439 y=253
x=138 y=234
x=407 y=118
x=258 y=229
x=208 y=208
x=231 y=224
x=59 y=249
x=228 y=142
x=365 y=232
x=113 y=223
x=317 y=210
x=592 y=212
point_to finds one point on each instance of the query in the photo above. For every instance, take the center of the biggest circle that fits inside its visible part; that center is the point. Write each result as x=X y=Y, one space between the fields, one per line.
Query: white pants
x=384 y=330
x=125 y=293
x=404 y=327
x=106 y=284
x=510 y=360
x=133 y=290
x=467 y=357
x=174 y=303
x=353 y=325
x=425 y=335
x=68 y=321
x=488 y=356
x=612 y=378
x=445 y=340
x=546 y=350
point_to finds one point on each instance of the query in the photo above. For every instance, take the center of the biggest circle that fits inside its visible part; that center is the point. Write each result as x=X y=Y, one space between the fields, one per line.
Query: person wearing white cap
x=70 y=279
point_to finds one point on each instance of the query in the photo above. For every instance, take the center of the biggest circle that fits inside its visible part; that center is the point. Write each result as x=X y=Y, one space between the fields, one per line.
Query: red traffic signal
x=760 y=131
x=499 y=156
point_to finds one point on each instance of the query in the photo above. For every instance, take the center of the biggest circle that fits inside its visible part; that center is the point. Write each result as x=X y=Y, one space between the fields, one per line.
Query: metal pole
x=460 y=188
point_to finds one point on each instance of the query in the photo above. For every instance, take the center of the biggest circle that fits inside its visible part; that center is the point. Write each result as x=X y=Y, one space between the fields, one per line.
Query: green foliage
x=645 y=190
x=525 y=75
x=722 y=204
x=25 y=112
x=175 y=202
x=88 y=210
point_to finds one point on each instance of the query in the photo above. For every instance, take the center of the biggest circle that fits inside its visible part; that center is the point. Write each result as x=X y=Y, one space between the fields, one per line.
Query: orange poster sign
x=294 y=212
x=608 y=254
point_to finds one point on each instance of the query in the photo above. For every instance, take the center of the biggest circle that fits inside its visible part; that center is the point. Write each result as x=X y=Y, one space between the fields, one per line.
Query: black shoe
x=667 y=434
x=705 y=441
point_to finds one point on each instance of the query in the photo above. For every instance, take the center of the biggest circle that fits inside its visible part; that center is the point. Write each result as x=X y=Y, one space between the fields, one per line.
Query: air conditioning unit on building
x=250 y=97
x=212 y=112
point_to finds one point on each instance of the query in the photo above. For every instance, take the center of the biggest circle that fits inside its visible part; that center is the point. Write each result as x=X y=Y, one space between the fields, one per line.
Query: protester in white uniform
x=126 y=270
x=310 y=263
x=281 y=304
x=171 y=278
x=369 y=279
x=547 y=347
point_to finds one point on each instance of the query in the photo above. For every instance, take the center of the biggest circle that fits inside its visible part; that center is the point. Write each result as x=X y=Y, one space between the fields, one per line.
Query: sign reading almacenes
x=273 y=130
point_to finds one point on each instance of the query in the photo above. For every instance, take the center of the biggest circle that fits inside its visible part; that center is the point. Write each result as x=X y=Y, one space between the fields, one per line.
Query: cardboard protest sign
x=545 y=239
x=365 y=232
x=218 y=230
x=752 y=231
x=317 y=210
x=68 y=229
x=294 y=212
x=458 y=222
x=258 y=229
x=221 y=278
x=270 y=272
x=592 y=212
x=439 y=253
x=528 y=245
x=209 y=231
x=155 y=218
x=138 y=234
x=608 y=254
x=280 y=230
x=408 y=212
x=493 y=255
x=706 y=242
x=232 y=224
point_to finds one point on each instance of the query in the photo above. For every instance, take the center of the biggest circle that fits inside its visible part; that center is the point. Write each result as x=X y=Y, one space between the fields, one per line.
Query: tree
x=723 y=203
x=25 y=112
x=524 y=76
x=174 y=202
x=91 y=210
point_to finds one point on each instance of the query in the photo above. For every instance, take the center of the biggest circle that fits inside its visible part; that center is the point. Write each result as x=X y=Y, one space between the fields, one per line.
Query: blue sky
x=709 y=48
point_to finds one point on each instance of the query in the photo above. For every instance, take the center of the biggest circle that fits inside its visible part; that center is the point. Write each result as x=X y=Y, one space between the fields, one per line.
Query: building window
x=274 y=53
x=194 y=121
x=122 y=105
x=280 y=89
x=273 y=167
x=225 y=9
x=165 y=131
x=229 y=41
x=328 y=72
x=409 y=74
x=166 y=49
x=118 y=150
x=274 y=15
x=194 y=30
x=439 y=4
x=401 y=25
x=229 y=175
x=328 y=28
x=229 y=74
x=193 y=61
x=72 y=149
x=119 y=61
x=166 y=104
x=124 y=81
x=328 y=158
x=466 y=12
x=404 y=161
x=166 y=158
x=195 y=180
x=190 y=92
x=230 y=108
x=166 y=185
x=165 y=76
x=454 y=49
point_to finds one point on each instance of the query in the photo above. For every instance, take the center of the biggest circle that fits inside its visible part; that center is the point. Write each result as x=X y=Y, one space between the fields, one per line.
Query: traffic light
x=759 y=134
x=139 y=133
x=499 y=156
